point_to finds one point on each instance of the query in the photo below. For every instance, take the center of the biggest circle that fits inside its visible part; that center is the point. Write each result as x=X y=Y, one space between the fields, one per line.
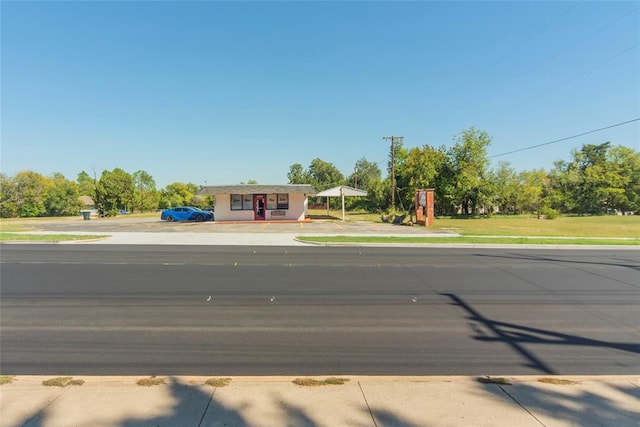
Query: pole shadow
x=515 y=336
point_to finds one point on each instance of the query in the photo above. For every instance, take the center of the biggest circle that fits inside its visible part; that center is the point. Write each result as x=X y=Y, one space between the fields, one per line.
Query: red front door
x=259 y=205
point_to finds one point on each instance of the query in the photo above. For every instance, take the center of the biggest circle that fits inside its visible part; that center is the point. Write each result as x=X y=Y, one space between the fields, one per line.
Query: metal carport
x=341 y=191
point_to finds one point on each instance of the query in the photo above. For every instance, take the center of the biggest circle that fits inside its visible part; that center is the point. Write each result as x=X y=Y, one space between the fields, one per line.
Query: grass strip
x=148 y=382
x=61 y=382
x=471 y=240
x=20 y=237
x=310 y=382
x=6 y=379
x=218 y=382
x=557 y=381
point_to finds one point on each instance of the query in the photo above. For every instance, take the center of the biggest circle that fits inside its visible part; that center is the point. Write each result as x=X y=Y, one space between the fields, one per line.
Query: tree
x=29 y=196
x=324 y=175
x=8 y=197
x=62 y=197
x=114 y=191
x=469 y=163
x=598 y=178
x=628 y=162
x=145 y=195
x=86 y=184
x=531 y=191
x=366 y=176
x=418 y=168
x=297 y=174
x=180 y=194
x=504 y=185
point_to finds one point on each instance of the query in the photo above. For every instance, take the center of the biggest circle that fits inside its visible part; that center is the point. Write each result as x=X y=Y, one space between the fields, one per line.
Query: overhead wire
x=564 y=139
x=523 y=43
x=503 y=85
x=588 y=70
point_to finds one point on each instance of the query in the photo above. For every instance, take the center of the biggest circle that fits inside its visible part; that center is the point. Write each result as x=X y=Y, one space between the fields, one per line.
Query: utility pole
x=393 y=140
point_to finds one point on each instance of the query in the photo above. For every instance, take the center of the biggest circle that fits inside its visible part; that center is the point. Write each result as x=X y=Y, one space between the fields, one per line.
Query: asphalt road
x=134 y=310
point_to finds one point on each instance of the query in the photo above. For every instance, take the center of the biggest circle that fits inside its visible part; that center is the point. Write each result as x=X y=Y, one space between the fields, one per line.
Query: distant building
x=88 y=206
x=255 y=202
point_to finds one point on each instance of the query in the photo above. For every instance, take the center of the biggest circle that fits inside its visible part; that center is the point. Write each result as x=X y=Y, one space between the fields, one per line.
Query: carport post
x=342 y=194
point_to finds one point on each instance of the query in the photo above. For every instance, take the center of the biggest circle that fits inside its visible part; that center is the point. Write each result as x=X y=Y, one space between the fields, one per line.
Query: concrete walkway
x=361 y=401
x=285 y=239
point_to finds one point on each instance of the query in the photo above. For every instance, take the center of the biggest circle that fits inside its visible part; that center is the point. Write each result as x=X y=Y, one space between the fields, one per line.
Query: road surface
x=229 y=310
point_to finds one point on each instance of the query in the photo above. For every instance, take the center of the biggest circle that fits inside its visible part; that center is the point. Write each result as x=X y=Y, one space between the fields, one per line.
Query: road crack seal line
x=367 y=403
x=41 y=411
x=207 y=407
x=520 y=405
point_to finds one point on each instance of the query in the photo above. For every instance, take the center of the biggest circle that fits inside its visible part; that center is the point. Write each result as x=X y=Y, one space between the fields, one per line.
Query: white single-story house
x=255 y=202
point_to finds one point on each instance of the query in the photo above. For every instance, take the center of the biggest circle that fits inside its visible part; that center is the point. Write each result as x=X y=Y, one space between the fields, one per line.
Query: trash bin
x=86 y=215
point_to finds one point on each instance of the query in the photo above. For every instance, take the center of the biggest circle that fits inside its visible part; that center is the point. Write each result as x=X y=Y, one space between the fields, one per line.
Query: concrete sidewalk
x=285 y=239
x=362 y=401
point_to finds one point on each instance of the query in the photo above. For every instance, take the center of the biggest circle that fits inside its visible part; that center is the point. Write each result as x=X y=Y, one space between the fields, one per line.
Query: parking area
x=155 y=225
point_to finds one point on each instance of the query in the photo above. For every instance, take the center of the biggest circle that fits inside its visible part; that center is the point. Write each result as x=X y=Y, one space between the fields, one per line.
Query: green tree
x=86 y=184
x=180 y=194
x=30 y=190
x=504 y=186
x=114 y=191
x=531 y=191
x=297 y=174
x=469 y=162
x=366 y=176
x=8 y=197
x=418 y=168
x=598 y=178
x=145 y=194
x=324 y=175
x=61 y=198
x=627 y=161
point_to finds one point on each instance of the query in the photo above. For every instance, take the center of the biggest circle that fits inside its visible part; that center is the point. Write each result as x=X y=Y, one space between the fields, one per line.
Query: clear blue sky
x=224 y=92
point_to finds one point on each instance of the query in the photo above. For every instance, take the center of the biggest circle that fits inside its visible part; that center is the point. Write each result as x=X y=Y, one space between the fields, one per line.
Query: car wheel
x=199 y=218
x=170 y=218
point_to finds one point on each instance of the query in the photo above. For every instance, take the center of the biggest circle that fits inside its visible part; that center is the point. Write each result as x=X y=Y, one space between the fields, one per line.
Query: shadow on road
x=515 y=336
x=529 y=256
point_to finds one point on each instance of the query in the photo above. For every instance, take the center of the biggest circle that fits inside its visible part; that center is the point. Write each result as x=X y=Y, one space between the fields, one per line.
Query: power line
x=588 y=70
x=505 y=83
x=564 y=139
x=527 y=40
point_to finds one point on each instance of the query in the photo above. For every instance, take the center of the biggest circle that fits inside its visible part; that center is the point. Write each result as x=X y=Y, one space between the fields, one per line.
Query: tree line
x=597 y=179
x=30 y=194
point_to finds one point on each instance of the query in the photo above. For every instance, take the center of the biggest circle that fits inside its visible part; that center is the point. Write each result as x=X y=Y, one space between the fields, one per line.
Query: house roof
x=257 y=189
x=339 y=191
x=86 y=200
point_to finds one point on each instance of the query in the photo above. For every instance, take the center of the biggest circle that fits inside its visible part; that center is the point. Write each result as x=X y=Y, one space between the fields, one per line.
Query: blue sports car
x=186 y=213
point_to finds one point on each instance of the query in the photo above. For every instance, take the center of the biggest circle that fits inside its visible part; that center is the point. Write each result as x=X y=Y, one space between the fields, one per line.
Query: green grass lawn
x=19 y=237
x=519 y=225
x=568 y=226
x=472 y=240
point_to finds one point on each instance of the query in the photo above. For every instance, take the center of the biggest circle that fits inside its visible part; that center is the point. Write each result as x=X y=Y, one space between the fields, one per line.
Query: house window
x=236 y=202
x=247 y=202
x=283 y=201
x=272 y=202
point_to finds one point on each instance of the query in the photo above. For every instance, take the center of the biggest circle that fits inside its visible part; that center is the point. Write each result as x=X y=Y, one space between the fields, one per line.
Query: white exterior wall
x=298 y=205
